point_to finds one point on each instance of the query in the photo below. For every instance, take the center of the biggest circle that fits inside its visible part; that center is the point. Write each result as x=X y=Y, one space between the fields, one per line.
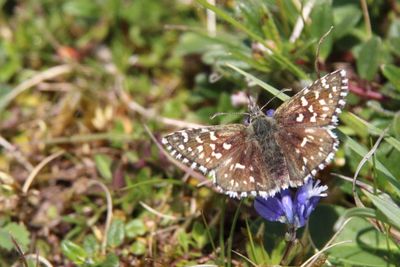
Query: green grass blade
x=355 y=120
x=264 y=85
x=362 y=151
x=230 y=238
x=385 y=204
x=279 y=58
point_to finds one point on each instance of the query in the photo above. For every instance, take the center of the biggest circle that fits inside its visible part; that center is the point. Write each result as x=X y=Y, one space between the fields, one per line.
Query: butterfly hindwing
x=316 y=105
x=307 y=150
x=246 y=173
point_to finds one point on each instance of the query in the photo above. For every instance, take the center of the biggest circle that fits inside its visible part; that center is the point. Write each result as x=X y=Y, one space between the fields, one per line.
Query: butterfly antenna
x=269 y=101
x=227 y=113
x=317 y=52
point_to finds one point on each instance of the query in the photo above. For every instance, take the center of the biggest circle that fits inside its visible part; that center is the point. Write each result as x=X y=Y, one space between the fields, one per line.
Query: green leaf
x=91 y=245
x=346 y=18
x=396 y=125
x=73 y=252
x=103 y=165
x=385 y=204
x=322 y=20
x=368 y=58
x=357 y=212
x=81 y=8
x=199 y=235
x=110 y=261
x=135 y=227
x=116 y=233
x=392 y=73
x=138 y=248
x=269 y=88
x=368 y=247
x=18 y=232
x=183 y=240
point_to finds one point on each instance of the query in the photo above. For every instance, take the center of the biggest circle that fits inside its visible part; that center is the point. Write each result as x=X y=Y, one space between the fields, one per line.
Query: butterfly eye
x=246 y=120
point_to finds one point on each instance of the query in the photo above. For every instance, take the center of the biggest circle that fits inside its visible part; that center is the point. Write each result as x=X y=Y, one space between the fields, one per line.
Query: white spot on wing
x=227 y=146
x=203 y=169
x=213 y=137
x=314 y=117
x=216 y=155
x=303 y=143
x=239 y=166
x=300 y=117
x=185 y=137
x=304 y=101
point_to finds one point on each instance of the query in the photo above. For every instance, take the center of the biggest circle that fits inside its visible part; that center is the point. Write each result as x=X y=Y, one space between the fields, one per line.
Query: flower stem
x=290 y=242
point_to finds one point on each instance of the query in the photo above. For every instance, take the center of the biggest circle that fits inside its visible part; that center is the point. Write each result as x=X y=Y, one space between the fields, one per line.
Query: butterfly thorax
x=263 y=127
x=262 y=130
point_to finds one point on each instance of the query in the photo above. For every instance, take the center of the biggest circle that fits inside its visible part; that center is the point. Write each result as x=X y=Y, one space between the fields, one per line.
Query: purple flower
x=289 y=208
x=270 y=113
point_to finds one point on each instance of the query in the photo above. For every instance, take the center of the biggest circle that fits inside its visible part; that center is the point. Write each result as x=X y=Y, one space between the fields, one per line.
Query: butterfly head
x=255 y=111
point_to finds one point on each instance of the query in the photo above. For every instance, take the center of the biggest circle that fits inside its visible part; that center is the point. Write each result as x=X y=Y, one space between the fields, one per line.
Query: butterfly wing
x=245 y=173
x=305 y=124
x=307 y=150
x=224 y=152
x=316 y=105
x=204 y=149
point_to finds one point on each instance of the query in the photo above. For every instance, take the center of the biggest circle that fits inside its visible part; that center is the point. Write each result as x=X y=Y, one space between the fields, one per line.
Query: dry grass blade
x=38 y=78
x=37 y=169
x=152 y=114
x=299 y=26
x=157 y=213
x=109 y=213
x=38 y=258
x=16 y=153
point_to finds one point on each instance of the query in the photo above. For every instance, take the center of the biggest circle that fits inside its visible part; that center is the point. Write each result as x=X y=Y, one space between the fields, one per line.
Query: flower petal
x=269 y=208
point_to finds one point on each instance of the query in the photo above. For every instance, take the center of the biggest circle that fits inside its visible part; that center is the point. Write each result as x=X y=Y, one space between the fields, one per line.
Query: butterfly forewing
x=316 y=105
x=204 y=149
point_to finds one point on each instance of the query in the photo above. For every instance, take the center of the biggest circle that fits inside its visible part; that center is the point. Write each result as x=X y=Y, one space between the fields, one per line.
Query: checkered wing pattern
x=204 y=149
x=234 y=161
x=270 y=153
x=306 y=122
x=316 y=105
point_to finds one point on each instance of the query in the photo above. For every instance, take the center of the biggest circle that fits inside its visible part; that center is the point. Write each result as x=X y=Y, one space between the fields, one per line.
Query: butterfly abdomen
x=264 y=129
